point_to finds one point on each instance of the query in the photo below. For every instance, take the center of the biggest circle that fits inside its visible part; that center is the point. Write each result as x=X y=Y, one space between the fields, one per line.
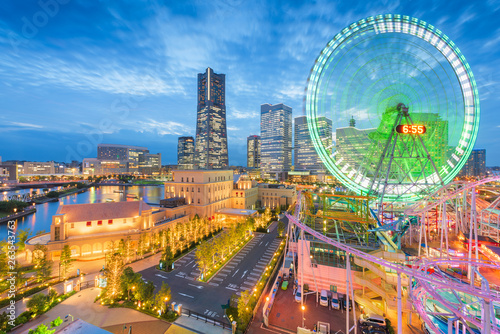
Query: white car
x=298 y=295
x=372 y=319
x=323 y=299
x=335 y=301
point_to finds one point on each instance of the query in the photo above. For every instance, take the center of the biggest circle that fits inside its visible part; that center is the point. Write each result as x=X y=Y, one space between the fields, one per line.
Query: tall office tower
x=305 y=157
x=253 y=151
x=211 y=133
x=185 y=153
x=476 y=164
x=276 y=138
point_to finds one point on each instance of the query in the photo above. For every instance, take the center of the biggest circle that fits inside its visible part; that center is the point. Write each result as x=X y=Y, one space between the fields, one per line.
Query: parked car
x=284 y=286
x=343 y=303
x=335 y=301
x=323 y=299
x=372 y=319
x=298 y=295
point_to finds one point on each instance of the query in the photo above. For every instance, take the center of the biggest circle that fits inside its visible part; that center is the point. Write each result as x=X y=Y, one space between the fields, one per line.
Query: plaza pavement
x=82 y=306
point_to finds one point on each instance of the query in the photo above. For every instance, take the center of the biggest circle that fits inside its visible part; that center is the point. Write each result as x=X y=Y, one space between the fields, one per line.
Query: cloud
x=164 y=128
x=238 y=114
x=27 y=125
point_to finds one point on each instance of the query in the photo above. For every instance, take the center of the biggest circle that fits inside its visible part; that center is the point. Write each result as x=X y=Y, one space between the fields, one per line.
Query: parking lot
x=286 y=313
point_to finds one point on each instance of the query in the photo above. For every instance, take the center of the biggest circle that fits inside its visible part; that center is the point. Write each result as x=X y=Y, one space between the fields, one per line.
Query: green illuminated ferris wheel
x=403 y=103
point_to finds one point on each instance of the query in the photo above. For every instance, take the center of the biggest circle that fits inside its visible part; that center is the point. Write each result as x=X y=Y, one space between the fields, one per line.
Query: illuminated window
x=89 y=223
x=110 y=221
x=99 y=222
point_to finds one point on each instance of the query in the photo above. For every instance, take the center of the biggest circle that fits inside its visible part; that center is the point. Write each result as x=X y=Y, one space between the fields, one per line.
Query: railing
x=168 y=220
x=206 y=319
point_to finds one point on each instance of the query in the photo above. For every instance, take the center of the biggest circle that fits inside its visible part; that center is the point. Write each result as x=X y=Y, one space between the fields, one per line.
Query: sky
x=74 y=74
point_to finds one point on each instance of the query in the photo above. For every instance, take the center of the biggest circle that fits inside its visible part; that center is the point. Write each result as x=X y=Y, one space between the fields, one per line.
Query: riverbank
x=62 y=193
x=25 y=212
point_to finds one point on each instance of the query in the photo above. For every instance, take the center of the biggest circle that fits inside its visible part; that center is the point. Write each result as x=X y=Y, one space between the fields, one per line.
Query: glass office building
x=211 y=132
x=276 y=138
x=305 y=157
x=185 y=153
x=253 y=151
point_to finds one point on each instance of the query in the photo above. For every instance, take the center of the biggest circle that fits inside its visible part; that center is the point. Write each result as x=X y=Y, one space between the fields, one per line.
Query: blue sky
x=78 y=73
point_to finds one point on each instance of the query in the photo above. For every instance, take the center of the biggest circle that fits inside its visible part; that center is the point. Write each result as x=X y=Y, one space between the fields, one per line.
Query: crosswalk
x=188 y=268
x=250 y=276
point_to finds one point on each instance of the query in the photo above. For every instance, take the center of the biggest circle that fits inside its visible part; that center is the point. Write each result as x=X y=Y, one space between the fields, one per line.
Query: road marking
x=266 y=244
x=235 y=272
x=261 y=242
x=222 y=275
x=248 y=283
x=252 y=279
x=159 y=275
x=244 y=273
x=196 y=286
x=231 y=288
x=217 y=279
x=254 y=274
x=189 y=262
x=213 y=284
x=183 y=294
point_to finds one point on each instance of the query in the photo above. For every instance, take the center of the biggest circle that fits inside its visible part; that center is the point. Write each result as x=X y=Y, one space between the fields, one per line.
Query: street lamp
x=303 y=308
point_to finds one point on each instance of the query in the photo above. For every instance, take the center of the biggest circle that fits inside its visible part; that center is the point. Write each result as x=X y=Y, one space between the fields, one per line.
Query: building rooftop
x=237 y=212
x=81 y=327
x=102 y=211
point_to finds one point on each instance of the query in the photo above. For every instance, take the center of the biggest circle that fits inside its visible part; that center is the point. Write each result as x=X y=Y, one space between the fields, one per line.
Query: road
x=239 y=274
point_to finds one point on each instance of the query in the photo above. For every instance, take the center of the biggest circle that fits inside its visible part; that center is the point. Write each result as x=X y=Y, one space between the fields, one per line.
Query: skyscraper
x=476 y=164
x=253 y=151
x=185 y=153
x=305 y=157
x=276 y=138
x=211 y=133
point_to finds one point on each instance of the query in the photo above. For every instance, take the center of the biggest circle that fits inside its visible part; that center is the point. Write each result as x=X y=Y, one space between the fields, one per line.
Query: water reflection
x=41 y=220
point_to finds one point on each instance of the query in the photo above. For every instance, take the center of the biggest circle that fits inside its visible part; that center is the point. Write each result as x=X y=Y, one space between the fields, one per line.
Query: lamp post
x=303 y=308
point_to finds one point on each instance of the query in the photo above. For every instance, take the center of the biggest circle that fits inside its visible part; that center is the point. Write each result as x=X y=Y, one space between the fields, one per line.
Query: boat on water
x=118 y=191
x=109 y=200
x=132 y=196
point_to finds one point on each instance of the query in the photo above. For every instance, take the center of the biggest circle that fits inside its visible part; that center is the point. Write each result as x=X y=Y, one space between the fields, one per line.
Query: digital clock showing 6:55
x=412 y=129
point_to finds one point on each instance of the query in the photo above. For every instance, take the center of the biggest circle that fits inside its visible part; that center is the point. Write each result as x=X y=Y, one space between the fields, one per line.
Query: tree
x=162 y=296
x=22 y=236
x=114 y=272
x=244 y=312
x=204 y=256
x=38 y=303
x=43 y=265
x=130 y=280
x=277 y=211
x=281 y=228
x=167 y=257
x=44 y=270
x=43 y=329
x=66 y=261
x=145 y=293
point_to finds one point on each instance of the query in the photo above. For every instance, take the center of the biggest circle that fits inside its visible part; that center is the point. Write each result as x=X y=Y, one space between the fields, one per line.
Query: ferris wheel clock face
x=403 y=104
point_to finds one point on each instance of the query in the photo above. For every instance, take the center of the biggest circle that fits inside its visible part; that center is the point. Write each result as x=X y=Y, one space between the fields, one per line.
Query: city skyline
x=124 y=80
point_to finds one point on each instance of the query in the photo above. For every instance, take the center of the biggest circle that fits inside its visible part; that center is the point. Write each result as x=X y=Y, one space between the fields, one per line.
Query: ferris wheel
x=403 y=103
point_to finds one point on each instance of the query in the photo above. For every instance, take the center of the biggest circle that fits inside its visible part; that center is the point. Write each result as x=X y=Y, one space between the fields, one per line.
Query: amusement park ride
x=407 y=233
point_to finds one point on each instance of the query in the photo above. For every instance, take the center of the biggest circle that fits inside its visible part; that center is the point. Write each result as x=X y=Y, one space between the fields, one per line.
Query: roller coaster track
x=445 y=194
x=429 y=283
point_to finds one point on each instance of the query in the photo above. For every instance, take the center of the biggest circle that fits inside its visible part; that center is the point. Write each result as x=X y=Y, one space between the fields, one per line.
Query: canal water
x=42 y=218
